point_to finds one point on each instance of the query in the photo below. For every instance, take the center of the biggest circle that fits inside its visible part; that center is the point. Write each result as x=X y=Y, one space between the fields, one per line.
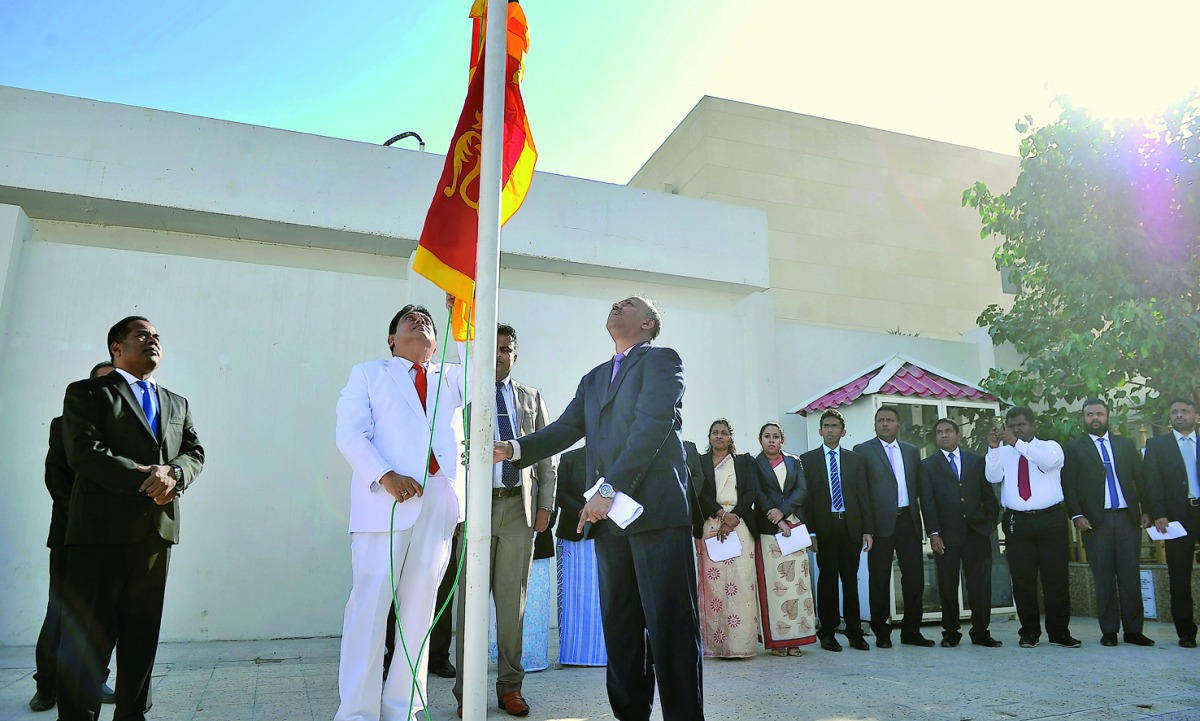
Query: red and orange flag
x=447 y=249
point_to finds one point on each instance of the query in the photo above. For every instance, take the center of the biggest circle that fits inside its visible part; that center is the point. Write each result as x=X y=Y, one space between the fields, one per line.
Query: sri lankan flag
x=446 y=251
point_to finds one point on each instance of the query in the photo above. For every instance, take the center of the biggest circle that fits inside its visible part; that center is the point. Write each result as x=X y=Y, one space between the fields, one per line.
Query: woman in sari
x=784 y=585
x=728 y=590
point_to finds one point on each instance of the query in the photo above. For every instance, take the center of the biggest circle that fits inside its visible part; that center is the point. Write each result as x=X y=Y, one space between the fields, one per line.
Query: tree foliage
x=1102 y=230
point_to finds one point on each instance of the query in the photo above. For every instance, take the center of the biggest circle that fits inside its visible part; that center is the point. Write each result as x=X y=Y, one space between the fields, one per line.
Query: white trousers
x=419 y=555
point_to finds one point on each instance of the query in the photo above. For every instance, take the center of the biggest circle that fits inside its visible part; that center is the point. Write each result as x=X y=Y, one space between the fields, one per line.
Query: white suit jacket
x=381 y=427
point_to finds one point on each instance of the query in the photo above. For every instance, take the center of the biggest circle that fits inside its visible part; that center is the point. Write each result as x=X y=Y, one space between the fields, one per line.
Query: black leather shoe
x=988 y=642
x=1108 y=639
x=1067 y=641
x=1138 y=639
x=42 y=701
x=1187 y=642
x=950 y=642
x=107 y=695
x=442 y=668
x=881 y=642
x=918 y=641
x=831 y=644
x=859 y=644
x=1028 y=642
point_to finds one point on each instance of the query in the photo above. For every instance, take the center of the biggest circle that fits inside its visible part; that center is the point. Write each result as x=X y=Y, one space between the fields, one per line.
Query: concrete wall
x=266 y=296
x=867 y=230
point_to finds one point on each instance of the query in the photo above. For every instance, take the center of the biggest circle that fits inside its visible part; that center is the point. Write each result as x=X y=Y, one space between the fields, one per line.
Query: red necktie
x=1023 y=479
x=422 y=384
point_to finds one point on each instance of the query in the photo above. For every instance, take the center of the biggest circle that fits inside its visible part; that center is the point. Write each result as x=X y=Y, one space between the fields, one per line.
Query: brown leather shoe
x=514 y=704
x=459 y=712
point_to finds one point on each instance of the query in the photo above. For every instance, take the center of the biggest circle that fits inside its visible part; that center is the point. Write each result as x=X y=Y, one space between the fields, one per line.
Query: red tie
x=422 y=386
x=1023 y=479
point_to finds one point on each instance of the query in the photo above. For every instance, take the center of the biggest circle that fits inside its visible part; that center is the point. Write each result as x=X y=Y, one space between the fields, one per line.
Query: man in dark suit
x=960 y=511
x=892 y=479
x=837 y=509
x=629 y=409
x=1173 y=494
x=134 y=451
x=1101 y=477
x=522 y=500
x=59 y=481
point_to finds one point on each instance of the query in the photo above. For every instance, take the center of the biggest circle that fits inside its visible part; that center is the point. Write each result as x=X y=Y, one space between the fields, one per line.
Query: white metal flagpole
x=473 y=628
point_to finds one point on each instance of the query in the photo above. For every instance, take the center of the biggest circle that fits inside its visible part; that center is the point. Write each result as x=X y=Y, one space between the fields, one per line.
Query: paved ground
x=297 y=679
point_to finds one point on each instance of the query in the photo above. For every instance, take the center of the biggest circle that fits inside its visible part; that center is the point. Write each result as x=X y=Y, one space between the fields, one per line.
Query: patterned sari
x=785 y=591
x=728 y=589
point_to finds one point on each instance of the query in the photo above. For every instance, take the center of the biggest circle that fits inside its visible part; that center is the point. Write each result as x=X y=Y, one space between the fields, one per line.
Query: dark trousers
x=974 y=560
x=1112 y=548
x=115 y=596
x=651 y=623
x=1036 y=545
x=46 y=653
x=905 y=545
x=1181 y=553
x=443 y=628
x=837 y=558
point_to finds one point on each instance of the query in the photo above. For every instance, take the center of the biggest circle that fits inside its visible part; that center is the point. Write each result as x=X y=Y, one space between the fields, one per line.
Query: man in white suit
x=522 y=500
x=386 y=415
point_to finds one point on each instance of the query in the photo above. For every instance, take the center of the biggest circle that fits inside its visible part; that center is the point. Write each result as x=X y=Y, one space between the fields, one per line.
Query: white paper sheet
x=624 y=509
x=719 y=550
x=798 y=541
x=1175 y=529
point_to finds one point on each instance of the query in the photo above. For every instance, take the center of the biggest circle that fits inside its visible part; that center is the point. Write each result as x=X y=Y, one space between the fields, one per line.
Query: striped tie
x=835 y=480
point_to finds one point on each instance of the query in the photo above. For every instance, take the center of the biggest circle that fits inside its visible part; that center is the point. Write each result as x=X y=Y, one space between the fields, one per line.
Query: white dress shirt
x=1112 y=459
x=1187 y=449
x=138 y=392
x=829 y=477
x=1045 y=473
x=896 y=459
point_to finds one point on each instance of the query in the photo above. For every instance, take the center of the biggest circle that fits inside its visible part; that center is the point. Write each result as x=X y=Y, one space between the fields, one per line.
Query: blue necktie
x=508 y=472
x=1110 y=473
x=148 y=406
x=835 y=480
x=953 y=466
x=616 y=366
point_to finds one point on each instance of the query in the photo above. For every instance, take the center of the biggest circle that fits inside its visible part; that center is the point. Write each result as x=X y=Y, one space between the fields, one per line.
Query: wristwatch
x=606 y=490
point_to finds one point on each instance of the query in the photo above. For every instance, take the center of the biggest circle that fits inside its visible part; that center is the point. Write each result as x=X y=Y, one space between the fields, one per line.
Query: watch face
x=606 y=490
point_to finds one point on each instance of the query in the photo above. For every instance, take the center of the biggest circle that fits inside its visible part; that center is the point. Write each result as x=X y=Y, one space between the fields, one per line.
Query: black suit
x=962 y=509
x=1114 y=543
x=839 y=536
x=118 y=538
x=747 y=490
x=1168 y=496
x=897 y=533
x=789 y=500
x=647 y=572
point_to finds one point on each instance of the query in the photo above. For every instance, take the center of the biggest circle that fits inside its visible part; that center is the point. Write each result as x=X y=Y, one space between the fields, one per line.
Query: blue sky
x=607 y=81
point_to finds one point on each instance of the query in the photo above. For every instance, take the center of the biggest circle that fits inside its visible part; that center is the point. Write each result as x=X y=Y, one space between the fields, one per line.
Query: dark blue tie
x=954 y=466
x=835 y=479
x=1110 y=474
x=148 y=406
x=508 y=472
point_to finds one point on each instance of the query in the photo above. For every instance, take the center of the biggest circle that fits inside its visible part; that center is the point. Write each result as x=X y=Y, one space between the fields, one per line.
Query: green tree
x=1102 y=231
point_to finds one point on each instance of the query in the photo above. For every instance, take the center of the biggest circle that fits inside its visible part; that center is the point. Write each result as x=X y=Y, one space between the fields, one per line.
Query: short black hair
x=120 y=330
x=1183 y=399
x=1095 y=402
x=411 y=308
x=508 y=330
x=834 y=414
x=98 y=366
x=1016 y=411
x=951 y=421
x=890 y=409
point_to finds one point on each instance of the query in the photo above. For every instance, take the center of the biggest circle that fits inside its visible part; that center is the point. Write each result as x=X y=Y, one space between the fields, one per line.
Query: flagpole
x=483 y=369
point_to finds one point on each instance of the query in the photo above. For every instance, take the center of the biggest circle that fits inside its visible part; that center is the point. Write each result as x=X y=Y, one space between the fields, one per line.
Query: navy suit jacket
x=1165 y=479
x=1085 y=483
x=632 y=428
x=951 y=504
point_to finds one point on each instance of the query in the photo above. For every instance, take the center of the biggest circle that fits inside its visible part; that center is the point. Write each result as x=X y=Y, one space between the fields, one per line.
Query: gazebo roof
x=897 y=375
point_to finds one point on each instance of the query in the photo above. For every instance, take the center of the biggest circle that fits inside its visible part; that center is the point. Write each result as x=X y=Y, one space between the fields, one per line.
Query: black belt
x=506 y=492
x=839 y=515
x=1039 y=511
x=1116 y=510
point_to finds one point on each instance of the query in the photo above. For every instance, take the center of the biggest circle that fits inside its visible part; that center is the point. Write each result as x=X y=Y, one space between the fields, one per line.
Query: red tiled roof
x=909 y=380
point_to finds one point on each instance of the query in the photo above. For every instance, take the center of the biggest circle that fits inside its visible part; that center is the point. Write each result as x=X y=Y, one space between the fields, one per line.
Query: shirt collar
x=507 y=382
x=1097 y=439
x=828 y=449
x=1180 y=436
x=133 y=380
x=949 y=454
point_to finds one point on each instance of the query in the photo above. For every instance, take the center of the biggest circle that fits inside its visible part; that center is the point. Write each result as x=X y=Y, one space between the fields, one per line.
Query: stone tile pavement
x=294 y=679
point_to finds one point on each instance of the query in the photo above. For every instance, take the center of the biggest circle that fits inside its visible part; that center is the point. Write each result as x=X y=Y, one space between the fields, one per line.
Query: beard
x=1098 y=429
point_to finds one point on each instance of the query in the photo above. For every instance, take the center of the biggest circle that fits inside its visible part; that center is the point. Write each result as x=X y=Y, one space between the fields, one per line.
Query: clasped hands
x=159 y=485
